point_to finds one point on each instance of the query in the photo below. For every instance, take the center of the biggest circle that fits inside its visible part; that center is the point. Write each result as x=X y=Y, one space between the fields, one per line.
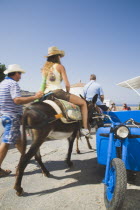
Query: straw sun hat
x=54 y=51
x=13 y=68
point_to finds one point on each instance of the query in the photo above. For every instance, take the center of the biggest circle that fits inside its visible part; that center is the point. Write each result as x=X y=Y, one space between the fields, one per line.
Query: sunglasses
x=19 y=72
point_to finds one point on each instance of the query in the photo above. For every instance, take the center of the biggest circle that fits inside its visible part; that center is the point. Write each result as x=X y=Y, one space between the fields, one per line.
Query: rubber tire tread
x=121 y=185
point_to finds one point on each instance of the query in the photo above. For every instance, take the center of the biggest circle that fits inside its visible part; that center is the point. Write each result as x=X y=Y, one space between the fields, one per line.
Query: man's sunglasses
x=19 y=72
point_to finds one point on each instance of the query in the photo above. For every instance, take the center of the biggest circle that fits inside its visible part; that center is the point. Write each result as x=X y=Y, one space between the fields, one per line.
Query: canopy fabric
x=133 y=84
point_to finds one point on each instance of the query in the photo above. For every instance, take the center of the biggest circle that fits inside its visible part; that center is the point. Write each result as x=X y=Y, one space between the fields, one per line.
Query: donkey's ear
x=94 y=99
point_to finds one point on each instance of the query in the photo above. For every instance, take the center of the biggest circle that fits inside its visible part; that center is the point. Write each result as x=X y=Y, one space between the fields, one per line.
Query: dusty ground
x=78 y=188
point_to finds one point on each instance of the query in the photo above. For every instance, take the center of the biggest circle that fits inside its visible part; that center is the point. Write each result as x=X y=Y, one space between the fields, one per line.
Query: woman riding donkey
x=53 y=73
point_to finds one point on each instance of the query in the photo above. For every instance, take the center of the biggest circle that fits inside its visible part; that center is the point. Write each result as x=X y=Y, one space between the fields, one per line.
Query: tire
x=114 y=192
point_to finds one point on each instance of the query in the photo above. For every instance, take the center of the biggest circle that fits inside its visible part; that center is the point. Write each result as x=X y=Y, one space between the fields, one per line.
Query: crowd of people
x=125 y=107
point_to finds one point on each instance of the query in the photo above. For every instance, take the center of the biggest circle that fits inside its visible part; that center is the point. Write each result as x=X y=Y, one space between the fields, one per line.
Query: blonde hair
x=46 y=68
x=49 y=63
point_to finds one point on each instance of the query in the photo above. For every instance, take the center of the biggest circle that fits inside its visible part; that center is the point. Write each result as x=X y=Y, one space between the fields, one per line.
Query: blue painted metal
x=109 y=152
x=106 y=145
x=110 y=186
x=122 y=116
x=130 y=146
x=124 y=151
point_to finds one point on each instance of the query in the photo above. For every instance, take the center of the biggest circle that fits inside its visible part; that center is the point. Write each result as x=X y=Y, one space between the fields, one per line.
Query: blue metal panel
x=133 y=148
x=133 y=151
x=122 y=116
x=102 y=146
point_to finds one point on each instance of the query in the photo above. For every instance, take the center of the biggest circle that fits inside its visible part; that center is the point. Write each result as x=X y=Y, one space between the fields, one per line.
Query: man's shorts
x=11 y=128
x=61 y=94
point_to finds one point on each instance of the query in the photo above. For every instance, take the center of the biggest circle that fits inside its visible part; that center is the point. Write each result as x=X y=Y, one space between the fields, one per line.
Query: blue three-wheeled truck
x=118 y=147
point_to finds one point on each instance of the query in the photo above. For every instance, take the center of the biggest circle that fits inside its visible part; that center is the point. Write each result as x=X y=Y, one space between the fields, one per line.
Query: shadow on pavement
x=88 y=172
x=132 y=200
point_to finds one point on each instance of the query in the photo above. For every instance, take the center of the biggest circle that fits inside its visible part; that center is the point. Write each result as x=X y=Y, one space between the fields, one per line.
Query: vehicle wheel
x=114 y=191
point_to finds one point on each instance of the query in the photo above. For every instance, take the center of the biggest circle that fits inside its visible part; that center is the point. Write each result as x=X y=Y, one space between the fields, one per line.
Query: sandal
x=4 y=173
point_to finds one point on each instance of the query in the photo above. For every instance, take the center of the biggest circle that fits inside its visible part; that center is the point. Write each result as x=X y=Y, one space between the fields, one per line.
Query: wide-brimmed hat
x=13 y=68
x=55 y=51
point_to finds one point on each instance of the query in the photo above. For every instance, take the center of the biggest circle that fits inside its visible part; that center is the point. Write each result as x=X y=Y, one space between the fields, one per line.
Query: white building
x=77 y=88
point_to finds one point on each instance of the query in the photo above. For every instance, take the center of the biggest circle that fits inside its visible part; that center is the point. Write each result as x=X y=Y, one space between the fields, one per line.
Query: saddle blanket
x=71 y=112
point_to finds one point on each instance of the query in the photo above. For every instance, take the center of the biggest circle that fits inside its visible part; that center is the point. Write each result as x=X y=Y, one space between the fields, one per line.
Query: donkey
x=46 y=123
x=94 y=124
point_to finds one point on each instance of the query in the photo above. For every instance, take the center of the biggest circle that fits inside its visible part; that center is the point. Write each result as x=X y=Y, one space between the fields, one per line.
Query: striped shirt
x=9 y=89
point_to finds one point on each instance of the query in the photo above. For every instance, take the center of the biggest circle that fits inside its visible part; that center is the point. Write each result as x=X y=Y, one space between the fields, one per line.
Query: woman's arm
x=63 y=73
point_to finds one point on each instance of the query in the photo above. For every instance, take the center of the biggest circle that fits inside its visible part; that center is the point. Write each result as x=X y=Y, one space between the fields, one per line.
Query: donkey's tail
x=24 y=138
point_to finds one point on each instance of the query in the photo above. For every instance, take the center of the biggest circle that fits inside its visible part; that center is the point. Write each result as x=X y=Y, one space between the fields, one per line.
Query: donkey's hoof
x=20 y=192
x=70 y=163
x=46 y=174
x=78 y=151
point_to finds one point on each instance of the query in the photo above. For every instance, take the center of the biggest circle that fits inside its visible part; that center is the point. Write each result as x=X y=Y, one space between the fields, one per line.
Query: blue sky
x=98 y=36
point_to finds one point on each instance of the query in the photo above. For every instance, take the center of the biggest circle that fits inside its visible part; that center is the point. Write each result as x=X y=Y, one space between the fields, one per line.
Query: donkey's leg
x=39 y=160
x=88 y=143
x=24 y=160
x=71 y=141
x=40 y=135
x=77 y=143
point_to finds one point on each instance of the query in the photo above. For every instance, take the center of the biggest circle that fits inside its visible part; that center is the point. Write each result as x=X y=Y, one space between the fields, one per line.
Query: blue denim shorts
x=11 y=126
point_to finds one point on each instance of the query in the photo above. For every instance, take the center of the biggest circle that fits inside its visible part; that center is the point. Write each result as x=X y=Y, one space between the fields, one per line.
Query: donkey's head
x=92 y=110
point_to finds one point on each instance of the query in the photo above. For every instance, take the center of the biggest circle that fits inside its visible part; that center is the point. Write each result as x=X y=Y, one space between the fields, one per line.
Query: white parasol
x=133 y=84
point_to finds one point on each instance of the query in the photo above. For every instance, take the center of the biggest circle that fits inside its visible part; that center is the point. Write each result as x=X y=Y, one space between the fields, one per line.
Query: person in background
x=53 y=73
x=91 y=89
x=113 y=107
x=125 y=107
x=11 y=111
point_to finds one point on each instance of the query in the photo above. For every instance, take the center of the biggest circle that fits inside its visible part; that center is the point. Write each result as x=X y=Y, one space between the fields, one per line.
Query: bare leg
x=3 y=151
x=80 y=102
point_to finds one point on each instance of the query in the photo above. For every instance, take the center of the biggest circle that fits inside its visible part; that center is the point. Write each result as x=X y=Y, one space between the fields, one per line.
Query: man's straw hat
x=55 y=51
x=13 y=68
